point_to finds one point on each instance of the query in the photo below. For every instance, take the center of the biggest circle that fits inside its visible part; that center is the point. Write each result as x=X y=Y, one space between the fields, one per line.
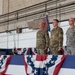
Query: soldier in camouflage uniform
x=71 y=37
x=42 y=39
x=56 y=39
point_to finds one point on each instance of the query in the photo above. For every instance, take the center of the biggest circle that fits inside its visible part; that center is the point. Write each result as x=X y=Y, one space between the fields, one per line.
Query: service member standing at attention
x=71 y=37
x=42 y=39
x=56 y=40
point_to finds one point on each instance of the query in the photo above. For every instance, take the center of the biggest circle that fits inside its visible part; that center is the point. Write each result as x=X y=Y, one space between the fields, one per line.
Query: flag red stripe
x=41 y=57
x=6 y=65
x=57 y=68
x=25 y=65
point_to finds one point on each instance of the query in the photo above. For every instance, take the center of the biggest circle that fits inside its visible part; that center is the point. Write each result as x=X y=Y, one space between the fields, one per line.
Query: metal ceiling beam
x=35 y=13
x=33 y=6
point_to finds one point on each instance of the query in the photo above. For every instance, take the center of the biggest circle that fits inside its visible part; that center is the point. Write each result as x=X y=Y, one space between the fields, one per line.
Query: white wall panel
x=27 y=38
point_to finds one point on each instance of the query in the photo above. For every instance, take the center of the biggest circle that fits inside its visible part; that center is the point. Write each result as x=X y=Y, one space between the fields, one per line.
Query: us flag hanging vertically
x=47 y=23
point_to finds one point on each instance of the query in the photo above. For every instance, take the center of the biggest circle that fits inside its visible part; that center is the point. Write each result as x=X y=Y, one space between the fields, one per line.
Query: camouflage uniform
x=71 y=40
x=56 y=40
x=42 y=41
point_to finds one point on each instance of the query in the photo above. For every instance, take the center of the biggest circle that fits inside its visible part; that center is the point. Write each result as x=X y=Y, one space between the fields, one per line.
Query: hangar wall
x=18 y=4
x=28 y=37
x=65 y=9
x=1 y=7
